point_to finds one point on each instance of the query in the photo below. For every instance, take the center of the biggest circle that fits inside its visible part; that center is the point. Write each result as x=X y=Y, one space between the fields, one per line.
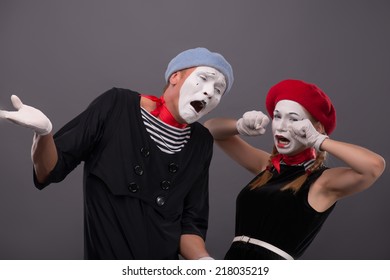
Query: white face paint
x=285 y=113
x=200 y=93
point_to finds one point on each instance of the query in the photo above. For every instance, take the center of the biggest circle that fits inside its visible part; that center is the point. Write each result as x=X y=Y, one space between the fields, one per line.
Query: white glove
x=27 y=116
x=205 y=258
x=305 y=132
x=252 y=123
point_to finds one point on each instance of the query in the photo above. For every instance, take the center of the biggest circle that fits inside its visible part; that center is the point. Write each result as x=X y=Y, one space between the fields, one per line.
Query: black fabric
x=138 y=200
x=247 y=251
x=281 y=218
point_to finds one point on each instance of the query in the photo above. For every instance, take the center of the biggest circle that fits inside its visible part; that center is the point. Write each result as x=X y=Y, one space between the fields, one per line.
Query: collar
x=161 y=111
x=299 y=158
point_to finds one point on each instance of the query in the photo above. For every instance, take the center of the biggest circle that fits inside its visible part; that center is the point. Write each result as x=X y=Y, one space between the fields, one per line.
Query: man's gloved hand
x=252 y=123
x=205 y=258
x=305 y=132
x=27 y=116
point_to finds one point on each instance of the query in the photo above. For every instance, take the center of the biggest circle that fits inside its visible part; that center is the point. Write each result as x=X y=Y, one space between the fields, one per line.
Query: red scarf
x=299 y=158
x=163 y=113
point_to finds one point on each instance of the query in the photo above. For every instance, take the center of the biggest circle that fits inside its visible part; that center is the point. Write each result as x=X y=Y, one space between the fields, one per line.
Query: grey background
x=59 y=55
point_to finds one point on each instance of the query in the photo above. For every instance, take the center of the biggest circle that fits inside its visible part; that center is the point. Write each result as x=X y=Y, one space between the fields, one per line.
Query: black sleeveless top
x=281 y=218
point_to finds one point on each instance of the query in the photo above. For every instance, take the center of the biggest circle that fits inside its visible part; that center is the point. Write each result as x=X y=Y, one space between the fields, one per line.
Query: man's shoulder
x=116 y=95
x=122 y=92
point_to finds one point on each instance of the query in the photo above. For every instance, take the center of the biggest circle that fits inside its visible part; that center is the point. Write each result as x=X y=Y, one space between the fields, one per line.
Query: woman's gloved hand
x=304 y=132
x=252 y=123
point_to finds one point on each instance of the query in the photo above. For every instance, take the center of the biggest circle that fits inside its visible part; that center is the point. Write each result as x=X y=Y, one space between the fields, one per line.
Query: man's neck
x=157 y=107
x=147 y=104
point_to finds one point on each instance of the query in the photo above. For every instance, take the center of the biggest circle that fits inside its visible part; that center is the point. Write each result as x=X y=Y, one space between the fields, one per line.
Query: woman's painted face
x=286 y=112
x=200 y=93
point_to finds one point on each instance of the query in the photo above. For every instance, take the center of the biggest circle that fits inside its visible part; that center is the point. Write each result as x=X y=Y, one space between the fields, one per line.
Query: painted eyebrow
x=291 y=113
x=207 y=73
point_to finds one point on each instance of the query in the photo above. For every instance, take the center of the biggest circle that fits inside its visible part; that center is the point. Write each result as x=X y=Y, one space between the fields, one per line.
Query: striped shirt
x=169 y=139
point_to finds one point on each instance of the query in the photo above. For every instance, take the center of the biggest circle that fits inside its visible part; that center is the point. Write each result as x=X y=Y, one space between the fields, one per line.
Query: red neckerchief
x=303 y=156
x=162 y=112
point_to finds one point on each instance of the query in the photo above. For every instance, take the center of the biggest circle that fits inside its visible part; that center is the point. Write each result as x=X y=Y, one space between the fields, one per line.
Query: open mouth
x=198 y=105
x=282 y=141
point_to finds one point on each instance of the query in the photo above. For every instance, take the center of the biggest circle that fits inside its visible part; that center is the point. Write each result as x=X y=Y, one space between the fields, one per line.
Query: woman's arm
x=364 y=168
x=226 y=136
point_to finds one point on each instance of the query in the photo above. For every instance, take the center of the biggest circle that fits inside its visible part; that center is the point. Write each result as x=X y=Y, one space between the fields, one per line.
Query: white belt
x=263 y=244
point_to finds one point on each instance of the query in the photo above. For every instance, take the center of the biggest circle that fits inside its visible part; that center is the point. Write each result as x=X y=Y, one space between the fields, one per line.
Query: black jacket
x=138 y=200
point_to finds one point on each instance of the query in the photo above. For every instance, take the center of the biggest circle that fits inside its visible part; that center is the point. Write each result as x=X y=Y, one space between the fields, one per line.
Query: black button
x=165 y=185
x=173 y=167
x=160 y=200
x=138 y=170
x=145 y=152
x=133 y=187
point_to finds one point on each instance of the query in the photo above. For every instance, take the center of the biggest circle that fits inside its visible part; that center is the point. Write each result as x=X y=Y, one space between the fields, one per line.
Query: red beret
x=311 y=97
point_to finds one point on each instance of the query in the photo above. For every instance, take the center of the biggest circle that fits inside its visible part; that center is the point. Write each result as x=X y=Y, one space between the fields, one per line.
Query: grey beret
x=201 y=57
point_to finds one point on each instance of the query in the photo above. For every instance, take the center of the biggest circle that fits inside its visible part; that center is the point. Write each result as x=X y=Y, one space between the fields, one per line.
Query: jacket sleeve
x=196 y=205
x=76 y=141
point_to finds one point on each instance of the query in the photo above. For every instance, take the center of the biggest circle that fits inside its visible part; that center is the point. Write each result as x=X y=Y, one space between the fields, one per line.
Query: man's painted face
x=200 y=93
x=286 y=112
